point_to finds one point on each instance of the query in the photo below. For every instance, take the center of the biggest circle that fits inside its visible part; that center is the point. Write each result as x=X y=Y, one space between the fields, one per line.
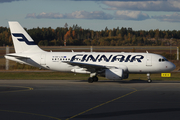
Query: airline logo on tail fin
x=22 y=38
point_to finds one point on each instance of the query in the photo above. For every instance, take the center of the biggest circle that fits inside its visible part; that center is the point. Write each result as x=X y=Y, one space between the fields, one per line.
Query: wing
x=90 y=67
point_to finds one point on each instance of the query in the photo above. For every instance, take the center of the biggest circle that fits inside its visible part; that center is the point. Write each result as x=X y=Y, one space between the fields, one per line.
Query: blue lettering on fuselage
x=127 y=59
x=75 y=58
x=135 y=58
x=110 y=58
x=84 y=58
x=92 y=58
x=121 y=59
x=105 y=58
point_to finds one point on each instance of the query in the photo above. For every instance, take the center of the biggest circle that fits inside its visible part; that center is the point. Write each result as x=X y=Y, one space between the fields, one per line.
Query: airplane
x=112 y=65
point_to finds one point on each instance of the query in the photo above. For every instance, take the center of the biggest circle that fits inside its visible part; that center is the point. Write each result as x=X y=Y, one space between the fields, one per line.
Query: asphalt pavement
x=79 y=100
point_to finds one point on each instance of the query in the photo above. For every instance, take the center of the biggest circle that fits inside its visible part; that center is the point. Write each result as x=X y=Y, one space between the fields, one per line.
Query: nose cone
x=172 y=66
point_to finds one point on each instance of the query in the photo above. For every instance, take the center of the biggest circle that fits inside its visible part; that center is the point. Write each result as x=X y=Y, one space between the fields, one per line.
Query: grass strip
x=72 y=76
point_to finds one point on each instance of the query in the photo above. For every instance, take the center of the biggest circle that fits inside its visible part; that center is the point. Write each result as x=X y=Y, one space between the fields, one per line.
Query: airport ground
x=46 y=95
x=79 y=100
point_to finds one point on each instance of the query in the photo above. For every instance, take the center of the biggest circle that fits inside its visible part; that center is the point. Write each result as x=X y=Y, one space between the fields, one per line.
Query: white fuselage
x=132 y=62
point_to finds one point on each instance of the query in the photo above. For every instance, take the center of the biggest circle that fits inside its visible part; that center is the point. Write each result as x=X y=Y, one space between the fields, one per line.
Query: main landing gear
x=92 y=79
x=149 y=79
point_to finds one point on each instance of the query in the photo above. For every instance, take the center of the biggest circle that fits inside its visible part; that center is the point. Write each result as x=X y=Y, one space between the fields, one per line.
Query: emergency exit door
x=43 y=59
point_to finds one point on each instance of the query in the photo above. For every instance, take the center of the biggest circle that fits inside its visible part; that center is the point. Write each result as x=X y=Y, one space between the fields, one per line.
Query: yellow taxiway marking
x=135 y=90
x=30 y=114
x=25 y=89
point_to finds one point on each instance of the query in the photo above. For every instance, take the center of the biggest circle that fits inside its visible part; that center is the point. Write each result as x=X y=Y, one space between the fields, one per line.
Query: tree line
x=76 y=35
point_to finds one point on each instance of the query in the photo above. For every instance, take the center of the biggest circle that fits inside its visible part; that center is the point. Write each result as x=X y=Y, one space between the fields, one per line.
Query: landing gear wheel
x=90 y=80
x=95 y=78
x=149 y=80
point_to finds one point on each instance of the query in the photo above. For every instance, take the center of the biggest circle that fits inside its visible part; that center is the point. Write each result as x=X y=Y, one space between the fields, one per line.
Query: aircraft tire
x=90 y=80
x=95 y=79
x=149 y=81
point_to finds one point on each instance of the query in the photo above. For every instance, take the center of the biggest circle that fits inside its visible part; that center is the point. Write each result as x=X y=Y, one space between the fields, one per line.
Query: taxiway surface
x=79 y=100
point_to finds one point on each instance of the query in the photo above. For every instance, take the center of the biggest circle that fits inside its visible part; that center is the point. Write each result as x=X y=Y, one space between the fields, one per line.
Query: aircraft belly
x=139 y=68
x=133 y=68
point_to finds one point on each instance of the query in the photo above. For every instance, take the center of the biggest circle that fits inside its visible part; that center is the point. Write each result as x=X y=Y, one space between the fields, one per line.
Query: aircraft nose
x=172 y=66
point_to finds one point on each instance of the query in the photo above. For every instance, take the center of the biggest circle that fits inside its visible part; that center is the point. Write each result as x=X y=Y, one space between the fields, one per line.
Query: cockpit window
x=162 y=59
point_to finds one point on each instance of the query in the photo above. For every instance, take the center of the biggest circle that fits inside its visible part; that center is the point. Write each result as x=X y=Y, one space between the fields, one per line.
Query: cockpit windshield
x=162 y=59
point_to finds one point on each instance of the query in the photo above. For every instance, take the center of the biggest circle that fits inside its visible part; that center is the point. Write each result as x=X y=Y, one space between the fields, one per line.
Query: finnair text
x=110 y=58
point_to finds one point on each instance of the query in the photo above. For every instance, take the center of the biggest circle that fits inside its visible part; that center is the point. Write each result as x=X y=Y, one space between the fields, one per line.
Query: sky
x=93 y=14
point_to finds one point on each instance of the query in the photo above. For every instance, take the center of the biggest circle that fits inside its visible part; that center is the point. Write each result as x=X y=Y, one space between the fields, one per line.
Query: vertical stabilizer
x=21 y=40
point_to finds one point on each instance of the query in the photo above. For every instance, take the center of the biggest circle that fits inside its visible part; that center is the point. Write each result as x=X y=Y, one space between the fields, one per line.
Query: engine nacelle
x=114 y=74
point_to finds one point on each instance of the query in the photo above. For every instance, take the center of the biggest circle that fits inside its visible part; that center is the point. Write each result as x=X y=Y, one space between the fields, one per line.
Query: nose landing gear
x=149 y=79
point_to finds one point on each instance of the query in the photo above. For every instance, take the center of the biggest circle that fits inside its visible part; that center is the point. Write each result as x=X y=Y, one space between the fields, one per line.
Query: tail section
x=21 y=40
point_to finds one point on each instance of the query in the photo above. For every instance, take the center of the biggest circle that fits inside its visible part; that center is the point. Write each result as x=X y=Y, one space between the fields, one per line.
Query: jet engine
x=114 y=74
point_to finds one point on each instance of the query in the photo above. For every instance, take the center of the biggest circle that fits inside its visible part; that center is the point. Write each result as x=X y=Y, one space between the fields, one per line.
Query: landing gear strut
x=92 y=79
x=149 y=79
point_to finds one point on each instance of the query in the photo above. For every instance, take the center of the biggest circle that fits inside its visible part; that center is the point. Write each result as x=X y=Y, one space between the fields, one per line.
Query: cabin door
x=149 y=61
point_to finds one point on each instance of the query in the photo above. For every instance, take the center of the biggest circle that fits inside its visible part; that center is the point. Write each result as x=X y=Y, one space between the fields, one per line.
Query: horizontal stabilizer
x=17 y=56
